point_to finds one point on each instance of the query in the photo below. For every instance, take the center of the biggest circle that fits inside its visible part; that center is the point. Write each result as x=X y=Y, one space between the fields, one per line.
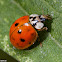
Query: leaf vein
x=19 y=6
x=57 y=43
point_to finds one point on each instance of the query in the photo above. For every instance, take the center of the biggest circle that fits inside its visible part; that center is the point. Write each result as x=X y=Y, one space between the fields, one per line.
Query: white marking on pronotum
x=34 y=15
x=39 y=25
x=33 y=22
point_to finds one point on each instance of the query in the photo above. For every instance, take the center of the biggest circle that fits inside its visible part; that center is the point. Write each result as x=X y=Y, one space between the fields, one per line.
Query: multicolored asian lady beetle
x=23 y=31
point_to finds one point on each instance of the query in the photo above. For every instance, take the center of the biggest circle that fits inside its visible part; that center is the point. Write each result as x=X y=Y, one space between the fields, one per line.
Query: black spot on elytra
x=28 y=29
x=32 y=34
x=19 y=31
x=13 y=38
x=29 y=42
x=16 y=24
x=22 y=40
x=18 y=45
x=23 y=18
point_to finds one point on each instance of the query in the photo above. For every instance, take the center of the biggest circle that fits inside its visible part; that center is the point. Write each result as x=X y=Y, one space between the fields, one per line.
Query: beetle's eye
x=16 y=24
x=19 y=31
x=43 y=19
x=39 y=16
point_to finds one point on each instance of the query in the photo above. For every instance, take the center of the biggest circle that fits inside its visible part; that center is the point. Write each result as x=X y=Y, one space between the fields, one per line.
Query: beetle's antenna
x=42 y=12
x=45 y=16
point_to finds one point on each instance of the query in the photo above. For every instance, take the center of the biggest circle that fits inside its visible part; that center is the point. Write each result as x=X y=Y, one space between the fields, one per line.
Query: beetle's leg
x=39 y=41
x=41 y=44
x=44 y=28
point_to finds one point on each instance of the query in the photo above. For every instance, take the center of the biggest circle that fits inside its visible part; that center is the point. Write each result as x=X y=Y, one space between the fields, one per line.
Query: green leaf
x=10 y=10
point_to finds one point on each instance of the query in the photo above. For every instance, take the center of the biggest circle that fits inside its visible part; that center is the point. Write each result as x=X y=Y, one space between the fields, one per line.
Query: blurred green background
x=51 y=51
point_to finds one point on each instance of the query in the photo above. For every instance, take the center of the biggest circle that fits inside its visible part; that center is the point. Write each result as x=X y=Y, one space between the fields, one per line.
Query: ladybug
x=23 y=32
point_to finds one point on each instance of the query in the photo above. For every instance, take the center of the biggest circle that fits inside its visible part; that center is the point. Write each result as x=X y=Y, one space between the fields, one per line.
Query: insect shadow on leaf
x=42 y=34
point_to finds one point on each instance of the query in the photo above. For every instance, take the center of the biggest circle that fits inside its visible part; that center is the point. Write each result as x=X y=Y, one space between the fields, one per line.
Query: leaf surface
x=10 y=10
